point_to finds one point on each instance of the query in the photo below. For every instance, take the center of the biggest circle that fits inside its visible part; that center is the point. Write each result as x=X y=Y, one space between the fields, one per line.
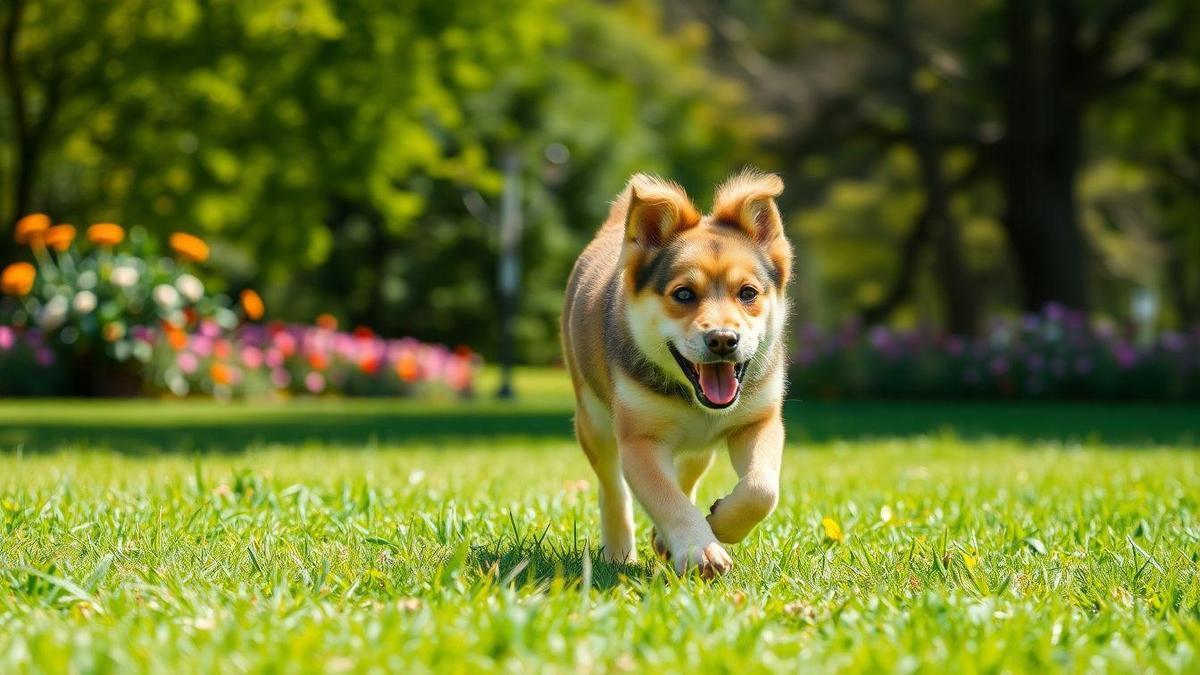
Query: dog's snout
x=722 y=341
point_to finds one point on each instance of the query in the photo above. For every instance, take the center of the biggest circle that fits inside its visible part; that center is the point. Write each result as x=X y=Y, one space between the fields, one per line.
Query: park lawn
x=439 y=548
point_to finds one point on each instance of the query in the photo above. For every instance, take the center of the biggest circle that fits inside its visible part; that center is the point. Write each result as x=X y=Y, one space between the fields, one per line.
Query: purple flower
x=44 y=357
x=998 y=366
x=1054 y=312
x=955 y=346
x=1174 y=342
x=880 y=338
x=1125 y=355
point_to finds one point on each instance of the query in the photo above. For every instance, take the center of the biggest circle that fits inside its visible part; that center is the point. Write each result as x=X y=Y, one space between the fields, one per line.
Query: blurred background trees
x=944 y=160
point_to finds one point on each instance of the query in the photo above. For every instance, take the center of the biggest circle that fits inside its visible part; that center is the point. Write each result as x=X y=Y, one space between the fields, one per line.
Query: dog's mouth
x=717 y=384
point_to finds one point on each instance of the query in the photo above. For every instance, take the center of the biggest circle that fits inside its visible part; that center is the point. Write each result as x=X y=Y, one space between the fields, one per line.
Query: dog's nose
x=721 y=341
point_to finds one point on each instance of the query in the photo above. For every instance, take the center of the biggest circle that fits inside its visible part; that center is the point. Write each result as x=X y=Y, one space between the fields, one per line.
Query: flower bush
x=116 y=316
x=1056 y=353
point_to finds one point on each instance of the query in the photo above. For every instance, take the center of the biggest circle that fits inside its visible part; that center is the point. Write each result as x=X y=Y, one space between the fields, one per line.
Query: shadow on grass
x=533 y=563
x=151 y=426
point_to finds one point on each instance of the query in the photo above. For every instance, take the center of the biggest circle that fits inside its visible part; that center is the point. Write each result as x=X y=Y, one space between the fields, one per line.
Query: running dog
x=673 y=334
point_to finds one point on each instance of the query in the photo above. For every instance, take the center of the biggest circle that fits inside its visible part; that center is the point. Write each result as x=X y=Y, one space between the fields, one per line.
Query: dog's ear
x=656 y=211
x=747 y=202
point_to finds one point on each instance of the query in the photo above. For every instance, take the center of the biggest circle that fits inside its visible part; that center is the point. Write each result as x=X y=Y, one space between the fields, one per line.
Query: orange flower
x=17 y=279
x=318 y=362
x=252 y=304
x=327 y=321
x=407 y=368
x=369 y=365
x=59 y=237
x=221 y=373
x=189 y=247
x=30 y=228
x=106 y=234
x=113 y=331
x=176 y=337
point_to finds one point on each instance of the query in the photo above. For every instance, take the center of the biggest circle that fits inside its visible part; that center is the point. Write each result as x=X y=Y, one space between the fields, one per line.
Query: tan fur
x=638 y=416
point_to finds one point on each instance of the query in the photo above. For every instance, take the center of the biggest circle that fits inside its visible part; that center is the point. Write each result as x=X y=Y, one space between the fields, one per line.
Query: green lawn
x=348 y=536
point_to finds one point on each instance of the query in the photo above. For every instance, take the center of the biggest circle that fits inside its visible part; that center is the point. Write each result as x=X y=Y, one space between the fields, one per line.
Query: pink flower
x=202 y=345
x=187 y=362
x=252 y=357
x=274 y=358
x=280 y=378
x=314 y=382
x=210 y=329
x=7 y=338
x=286 y=343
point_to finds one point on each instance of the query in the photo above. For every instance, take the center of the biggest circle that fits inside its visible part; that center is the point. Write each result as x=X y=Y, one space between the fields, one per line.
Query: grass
x=397 y=536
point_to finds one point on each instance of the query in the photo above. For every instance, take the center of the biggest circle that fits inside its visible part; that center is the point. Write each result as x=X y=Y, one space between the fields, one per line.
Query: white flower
x=166 y=296
x=124 y=276
x=53 y=313
x=85 y=302
x=191 y=287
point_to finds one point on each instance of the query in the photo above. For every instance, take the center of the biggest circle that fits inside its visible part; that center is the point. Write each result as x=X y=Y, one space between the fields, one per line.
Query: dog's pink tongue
x=717 y=382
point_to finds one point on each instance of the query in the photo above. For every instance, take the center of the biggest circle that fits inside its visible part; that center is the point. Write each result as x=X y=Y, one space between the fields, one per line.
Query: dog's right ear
x=656 y=211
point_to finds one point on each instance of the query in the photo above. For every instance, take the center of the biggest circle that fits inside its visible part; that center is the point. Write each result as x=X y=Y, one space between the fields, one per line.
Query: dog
x=672 y=331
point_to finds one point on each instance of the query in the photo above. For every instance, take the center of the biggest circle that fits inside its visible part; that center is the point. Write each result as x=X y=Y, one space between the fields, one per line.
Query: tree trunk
x=952 y=276
x=1043 y=111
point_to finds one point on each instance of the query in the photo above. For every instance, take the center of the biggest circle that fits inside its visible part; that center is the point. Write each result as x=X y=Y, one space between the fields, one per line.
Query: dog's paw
x=616 y=556
x=710 y=560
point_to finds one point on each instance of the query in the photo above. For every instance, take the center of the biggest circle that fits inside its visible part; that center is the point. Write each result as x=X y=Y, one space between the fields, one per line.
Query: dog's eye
x=748 y=294
x=684 y=295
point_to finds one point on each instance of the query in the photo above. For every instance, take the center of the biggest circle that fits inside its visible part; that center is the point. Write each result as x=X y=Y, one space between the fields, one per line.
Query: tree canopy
x=942 y=159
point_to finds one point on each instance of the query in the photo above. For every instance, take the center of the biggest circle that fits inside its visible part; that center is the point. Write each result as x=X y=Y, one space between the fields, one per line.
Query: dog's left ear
x=747 y=201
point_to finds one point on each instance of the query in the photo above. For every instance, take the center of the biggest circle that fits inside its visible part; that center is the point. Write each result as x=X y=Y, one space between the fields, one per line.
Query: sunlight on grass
x=974 y=556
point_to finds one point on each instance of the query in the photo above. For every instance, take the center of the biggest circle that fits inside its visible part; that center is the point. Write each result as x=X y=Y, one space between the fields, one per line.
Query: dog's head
x=706 y=293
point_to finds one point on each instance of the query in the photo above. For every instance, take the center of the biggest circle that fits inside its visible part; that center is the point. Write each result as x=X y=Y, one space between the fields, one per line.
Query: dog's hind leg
x=616 y=504
x=756 y=453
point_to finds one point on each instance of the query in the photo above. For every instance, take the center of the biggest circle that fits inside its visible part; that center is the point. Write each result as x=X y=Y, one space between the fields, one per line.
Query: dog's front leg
x=756 y=452
x=650 y=472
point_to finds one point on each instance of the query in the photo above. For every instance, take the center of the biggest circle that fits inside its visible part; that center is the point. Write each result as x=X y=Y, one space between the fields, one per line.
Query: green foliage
x=329 y=149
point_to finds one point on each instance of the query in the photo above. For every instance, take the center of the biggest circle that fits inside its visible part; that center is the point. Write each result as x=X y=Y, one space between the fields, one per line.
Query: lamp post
x=508 y=272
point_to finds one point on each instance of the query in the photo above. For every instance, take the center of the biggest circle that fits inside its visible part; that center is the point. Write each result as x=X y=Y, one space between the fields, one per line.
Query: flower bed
x=123 y=319
x=1053 y=354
